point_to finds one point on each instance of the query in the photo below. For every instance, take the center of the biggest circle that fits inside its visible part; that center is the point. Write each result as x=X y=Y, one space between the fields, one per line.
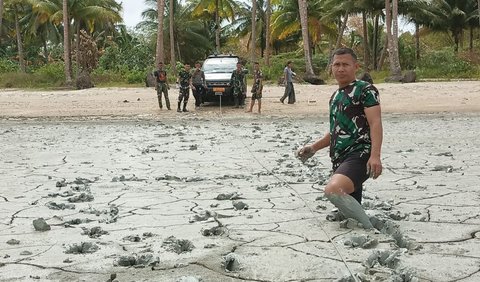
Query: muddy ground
x=128 y=191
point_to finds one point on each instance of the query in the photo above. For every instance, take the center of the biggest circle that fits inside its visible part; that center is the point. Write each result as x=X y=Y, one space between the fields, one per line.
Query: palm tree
x=193 y=36
x=478 y=7
x=452 y=16
x=220 y=9
x=171 y=14
x=66 y=43
x=1 y=16
x=268 y=16
x=160 y=56
x=18 y=32
x=392 y=34
x=254 y=36
x=302 y=5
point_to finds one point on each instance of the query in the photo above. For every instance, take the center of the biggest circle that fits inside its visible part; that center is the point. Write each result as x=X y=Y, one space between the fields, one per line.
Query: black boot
x=235 y=101
x=185 y=107
x=160 y=103
x=168 y=103
x=178 y=109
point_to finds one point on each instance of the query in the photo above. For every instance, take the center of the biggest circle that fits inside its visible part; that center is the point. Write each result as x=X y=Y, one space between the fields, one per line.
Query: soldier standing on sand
x=257 y=87
x=237 y=81
x=198 y=81
x=162 y=85
x=184 y=81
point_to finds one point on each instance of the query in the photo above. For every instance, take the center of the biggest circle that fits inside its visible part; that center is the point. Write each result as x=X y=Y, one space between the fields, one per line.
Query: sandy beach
x=101 y=185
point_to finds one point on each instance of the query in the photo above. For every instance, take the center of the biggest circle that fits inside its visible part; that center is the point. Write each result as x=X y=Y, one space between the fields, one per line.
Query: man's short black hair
x=345 y=51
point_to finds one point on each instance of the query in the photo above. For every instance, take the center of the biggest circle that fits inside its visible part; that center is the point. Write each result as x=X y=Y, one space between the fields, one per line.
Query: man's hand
x=374 y=167
x=304 y=153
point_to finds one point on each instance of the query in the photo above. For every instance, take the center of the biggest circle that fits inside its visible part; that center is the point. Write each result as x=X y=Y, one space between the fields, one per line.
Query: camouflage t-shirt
x=184 y=78
x=238 y=82
x=257 y=82
x=349 y=129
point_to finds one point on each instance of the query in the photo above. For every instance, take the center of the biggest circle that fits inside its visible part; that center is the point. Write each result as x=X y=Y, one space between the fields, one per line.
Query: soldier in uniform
x=184 y=81
x=162 y=85
x=198 y=81
x=237 y=81
x=257 y=87
x=355 y=137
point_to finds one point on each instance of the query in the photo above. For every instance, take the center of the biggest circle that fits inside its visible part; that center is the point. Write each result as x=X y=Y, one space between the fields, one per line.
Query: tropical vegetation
x=40 y=40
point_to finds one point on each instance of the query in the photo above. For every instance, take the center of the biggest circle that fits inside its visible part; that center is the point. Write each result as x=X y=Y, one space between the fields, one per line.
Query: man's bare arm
x=374 y=117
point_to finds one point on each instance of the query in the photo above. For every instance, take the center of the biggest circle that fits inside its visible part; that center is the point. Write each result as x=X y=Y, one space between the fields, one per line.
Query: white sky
x=132 y=11
x=132 y=14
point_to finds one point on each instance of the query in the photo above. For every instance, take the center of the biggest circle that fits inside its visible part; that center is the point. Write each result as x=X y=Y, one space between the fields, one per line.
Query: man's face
x=160 y=66
x=344 y=68
x=239 y=67
x=197 y=66
x=256 y=66
x=187 y=67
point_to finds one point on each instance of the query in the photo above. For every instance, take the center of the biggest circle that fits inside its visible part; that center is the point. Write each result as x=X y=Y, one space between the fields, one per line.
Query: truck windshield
x=220 y=65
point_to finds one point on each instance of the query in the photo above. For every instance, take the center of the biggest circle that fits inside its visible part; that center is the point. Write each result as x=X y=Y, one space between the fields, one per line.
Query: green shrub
x=444 y=64
x=17 y=80
x=51 y=73
x=135 y=76
x=7 y=65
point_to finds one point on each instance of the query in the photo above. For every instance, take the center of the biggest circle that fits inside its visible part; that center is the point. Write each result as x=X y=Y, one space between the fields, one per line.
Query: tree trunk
x=217 y=27
x=478 y=7
x=173 y=60
x=392 y=19
x=417 y=41
x=1 y=16
x=267 y=33
x=396 y=68
x=366 y=46
x=302 y=5
x=159 y=54
x=375 y=43
x=343 y=26
x=470 y=46
x=383 y=55
x=66 y=44
x=254 y=35
x=77 y=47
x=21 y=58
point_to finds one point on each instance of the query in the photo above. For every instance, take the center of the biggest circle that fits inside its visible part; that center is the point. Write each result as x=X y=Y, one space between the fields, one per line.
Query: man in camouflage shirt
x=355 y=137
x=184 y=81
x=257 y=87
x=237 y=81
x=162 y=85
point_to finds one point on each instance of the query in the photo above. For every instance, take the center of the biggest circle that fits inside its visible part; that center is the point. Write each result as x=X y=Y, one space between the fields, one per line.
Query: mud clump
x=362 y=241
x=203 y=216
x=94 y=232
x=83 y=197
x=13 y=242
x=137 y=261
x=239 y=205
x=214 y=231
x=41 y=225
x=229 y=196
x=231 y=262
x=62 y=206
x=82 y=248
x=178 y=246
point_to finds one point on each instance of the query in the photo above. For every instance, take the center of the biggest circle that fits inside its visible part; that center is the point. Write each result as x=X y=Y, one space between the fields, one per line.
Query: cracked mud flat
x=157 y=196
x=225 y=200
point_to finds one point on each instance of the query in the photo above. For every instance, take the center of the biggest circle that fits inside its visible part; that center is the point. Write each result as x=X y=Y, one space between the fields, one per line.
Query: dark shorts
x=257 y=96
x=355 y=168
